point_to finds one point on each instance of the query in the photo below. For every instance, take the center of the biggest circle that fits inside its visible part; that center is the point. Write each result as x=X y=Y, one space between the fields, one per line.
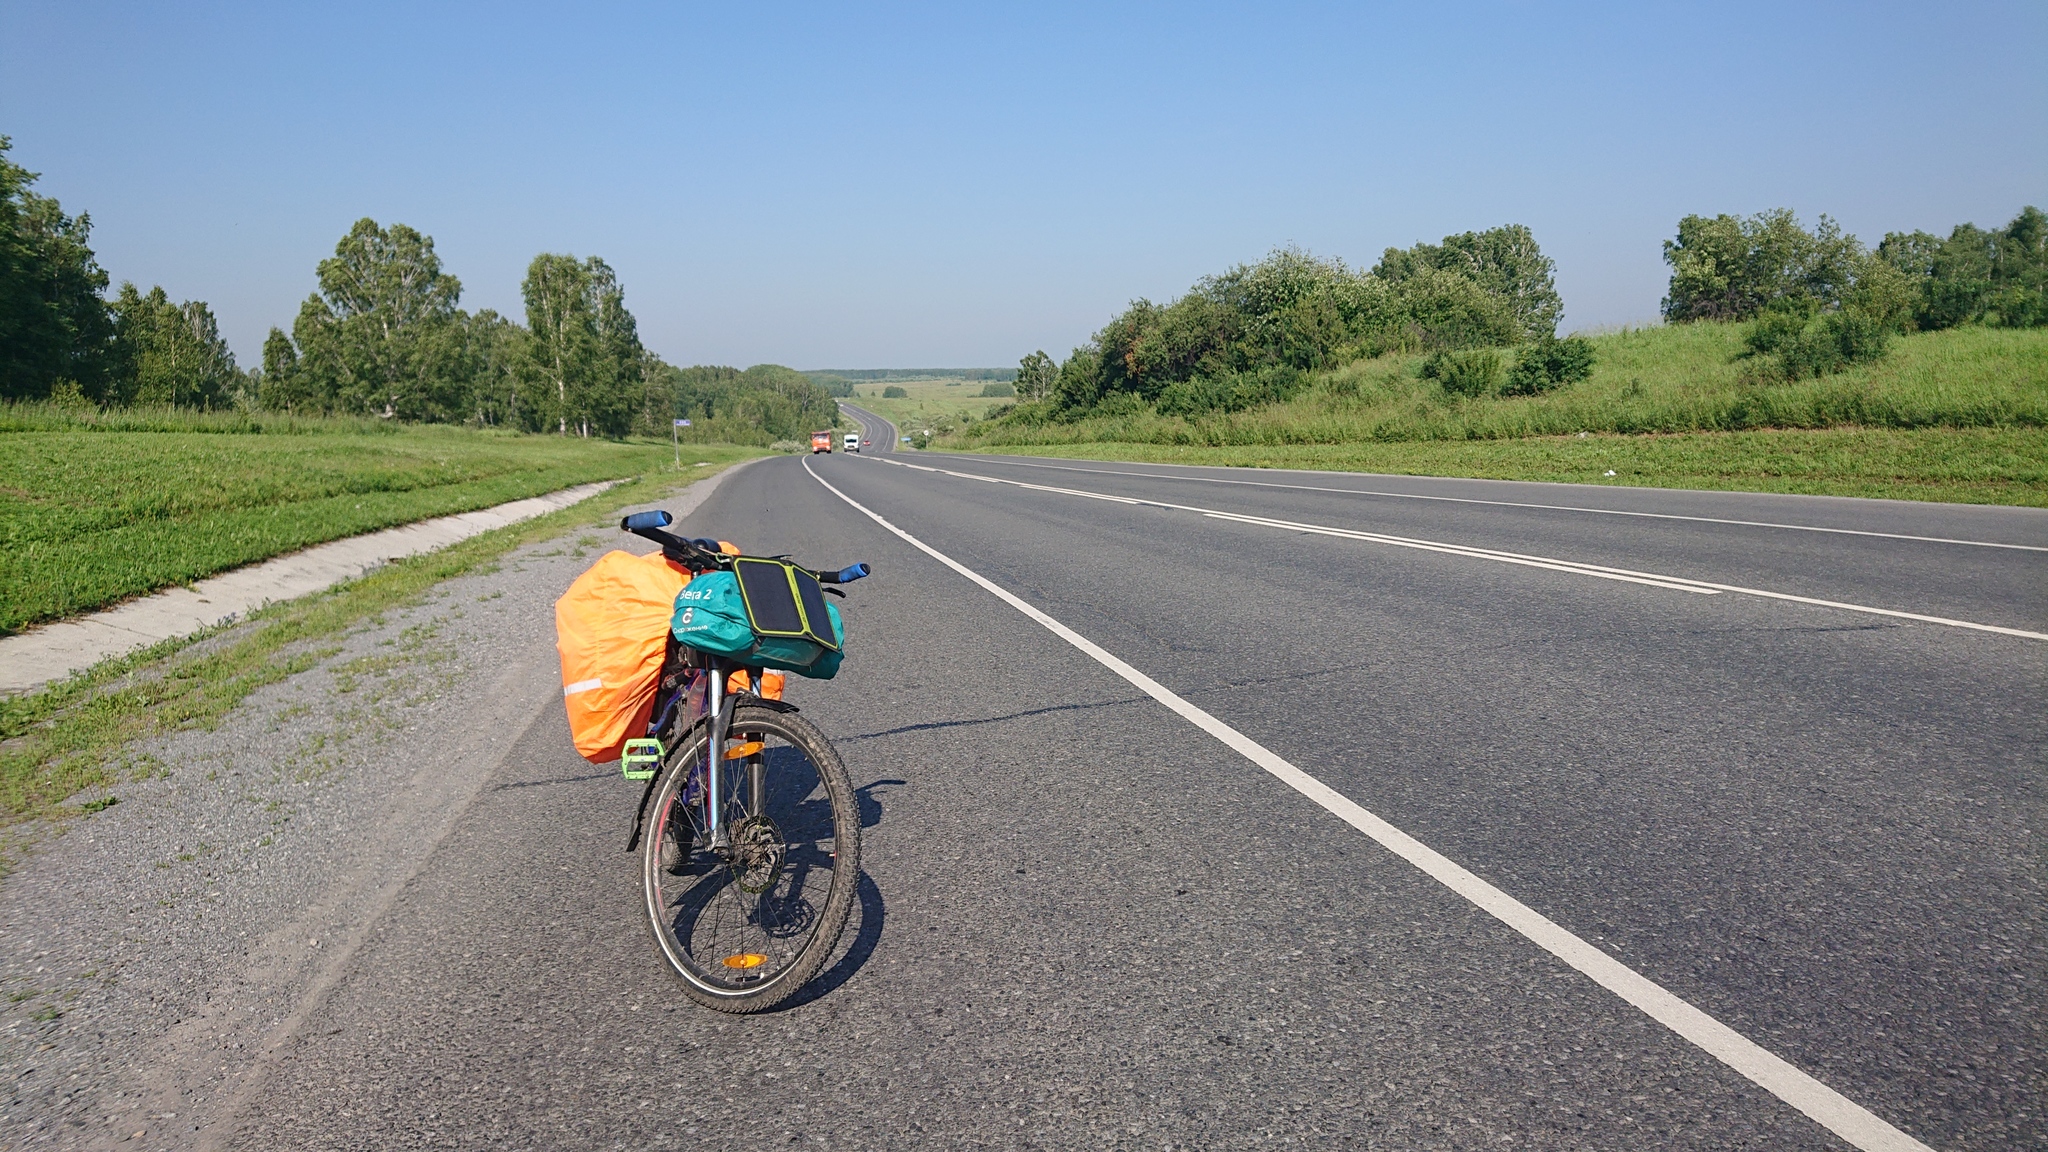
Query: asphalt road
x=1089 y=924
x=875 y=428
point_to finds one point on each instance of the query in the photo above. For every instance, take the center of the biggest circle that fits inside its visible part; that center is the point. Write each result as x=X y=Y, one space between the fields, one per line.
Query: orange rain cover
x=611 y=628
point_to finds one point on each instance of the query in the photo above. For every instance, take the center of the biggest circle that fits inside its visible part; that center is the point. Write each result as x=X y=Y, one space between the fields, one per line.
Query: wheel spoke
x=756 y=917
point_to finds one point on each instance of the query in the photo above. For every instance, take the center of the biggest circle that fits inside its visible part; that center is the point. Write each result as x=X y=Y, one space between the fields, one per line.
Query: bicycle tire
x=759 y=894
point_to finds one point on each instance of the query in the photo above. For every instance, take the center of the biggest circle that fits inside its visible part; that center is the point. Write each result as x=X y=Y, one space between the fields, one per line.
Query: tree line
x=1818 y=301
x=1254 y=334
x=384 y=335
x=1484 y=306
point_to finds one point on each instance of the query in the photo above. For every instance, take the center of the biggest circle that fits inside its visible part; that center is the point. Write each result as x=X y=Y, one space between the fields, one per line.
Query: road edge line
x=1473 y=552
x=1012 y=461
x=1820 y=1103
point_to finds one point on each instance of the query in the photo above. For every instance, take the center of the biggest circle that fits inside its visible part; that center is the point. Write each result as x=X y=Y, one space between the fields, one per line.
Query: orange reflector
x=746 y=960
x=742 y=751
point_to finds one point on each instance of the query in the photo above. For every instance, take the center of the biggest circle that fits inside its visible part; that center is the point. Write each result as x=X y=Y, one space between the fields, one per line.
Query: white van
x=853 y=441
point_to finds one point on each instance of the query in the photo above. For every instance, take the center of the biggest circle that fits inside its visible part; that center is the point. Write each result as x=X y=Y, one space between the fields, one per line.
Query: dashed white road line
x=1827 y=1107
x=1626 y=575
x=1524 y=504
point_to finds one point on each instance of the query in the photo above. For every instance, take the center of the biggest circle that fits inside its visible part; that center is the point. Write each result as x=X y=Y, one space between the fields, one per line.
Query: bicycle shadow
x=870 y=804
x=869 y=910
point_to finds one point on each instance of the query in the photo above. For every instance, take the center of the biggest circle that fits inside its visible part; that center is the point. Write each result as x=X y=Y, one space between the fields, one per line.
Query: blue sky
x=956 y=185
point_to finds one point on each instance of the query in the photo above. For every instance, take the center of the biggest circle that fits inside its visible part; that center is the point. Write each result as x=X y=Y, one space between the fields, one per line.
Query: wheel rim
x=737 y=921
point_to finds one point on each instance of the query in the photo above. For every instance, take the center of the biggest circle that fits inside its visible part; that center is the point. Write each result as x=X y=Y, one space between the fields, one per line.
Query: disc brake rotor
x=758 y=851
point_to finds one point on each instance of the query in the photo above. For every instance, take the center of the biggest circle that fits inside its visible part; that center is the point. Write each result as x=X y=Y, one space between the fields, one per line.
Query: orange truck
x=821 y=442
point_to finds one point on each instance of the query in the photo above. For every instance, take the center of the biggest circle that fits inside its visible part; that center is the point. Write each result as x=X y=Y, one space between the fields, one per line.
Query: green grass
x=1958 y=465
x=1957 y=415
x=75 y=735
x=93 y=511
x=1683 y=378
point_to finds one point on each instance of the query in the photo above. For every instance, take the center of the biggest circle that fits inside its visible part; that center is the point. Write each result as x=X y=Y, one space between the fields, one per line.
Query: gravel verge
x=153 y=954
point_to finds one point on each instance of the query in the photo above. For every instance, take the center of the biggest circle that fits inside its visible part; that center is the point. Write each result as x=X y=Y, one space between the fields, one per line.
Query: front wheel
x=747 y=914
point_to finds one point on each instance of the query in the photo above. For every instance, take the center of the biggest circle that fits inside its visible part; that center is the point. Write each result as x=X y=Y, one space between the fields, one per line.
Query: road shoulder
x=160 y=952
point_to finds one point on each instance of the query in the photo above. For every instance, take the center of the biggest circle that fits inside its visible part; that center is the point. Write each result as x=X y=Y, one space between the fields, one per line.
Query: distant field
x=1957 y=465
x=935 y=404
x=90 y=516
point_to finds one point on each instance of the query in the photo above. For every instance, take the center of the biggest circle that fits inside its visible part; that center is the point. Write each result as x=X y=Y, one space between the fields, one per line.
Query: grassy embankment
x=74 y=739
x=935 y=404
x=97 y=508
x=1959 y=415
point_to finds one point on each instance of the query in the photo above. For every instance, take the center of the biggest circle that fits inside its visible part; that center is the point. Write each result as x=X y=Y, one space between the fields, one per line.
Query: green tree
x=619 y=382
x=765 y=403
x=1036 y=374
x=1249 y=335
x=171 y=354
x=54 y=322
x=383 y=336
x=1725 y=268
x=282 y=386
x=1080 y=381
x=1441 y=308
x=562 y=346
x=1995 y=277
x=496 y=353
x=1505 y=263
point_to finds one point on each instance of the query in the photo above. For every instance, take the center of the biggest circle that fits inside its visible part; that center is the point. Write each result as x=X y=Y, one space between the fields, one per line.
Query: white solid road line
x=1523 y=504
x=1654 y=579
x=1827 y=1107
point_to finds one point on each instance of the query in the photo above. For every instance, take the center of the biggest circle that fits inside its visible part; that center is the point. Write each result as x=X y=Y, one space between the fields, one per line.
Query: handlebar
x=704 y=555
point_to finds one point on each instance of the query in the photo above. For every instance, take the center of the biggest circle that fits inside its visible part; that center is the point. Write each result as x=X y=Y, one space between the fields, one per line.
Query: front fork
x=719 y=835
x=719 y=705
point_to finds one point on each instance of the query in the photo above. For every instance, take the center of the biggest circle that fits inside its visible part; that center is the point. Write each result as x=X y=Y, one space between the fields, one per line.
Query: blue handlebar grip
x=639 y=520
x=849 y=575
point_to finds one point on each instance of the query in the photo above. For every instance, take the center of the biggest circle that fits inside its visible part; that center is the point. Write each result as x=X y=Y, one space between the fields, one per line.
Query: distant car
x=865 y=443
x=853 y=442
x=821 y=442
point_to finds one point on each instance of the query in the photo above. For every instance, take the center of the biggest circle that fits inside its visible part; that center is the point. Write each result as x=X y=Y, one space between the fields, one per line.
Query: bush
x=998 y=388
x=1231 y=392
x=1804 y=346
x=1779 y=327
x=1550 y=363
x=892 y=392
x=1475 y=373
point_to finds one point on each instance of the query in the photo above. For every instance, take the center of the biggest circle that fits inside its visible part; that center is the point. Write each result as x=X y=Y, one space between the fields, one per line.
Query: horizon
x=940 y=186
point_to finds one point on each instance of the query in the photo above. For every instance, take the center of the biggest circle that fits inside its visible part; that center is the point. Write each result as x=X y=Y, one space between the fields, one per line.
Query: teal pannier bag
x=767 y=613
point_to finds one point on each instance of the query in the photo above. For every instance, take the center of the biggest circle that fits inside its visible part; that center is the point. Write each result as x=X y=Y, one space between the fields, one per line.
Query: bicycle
x=750 y=865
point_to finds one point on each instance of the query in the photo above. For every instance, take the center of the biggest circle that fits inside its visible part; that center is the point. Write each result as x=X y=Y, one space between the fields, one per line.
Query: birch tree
x=170 y=353
x=383 y=335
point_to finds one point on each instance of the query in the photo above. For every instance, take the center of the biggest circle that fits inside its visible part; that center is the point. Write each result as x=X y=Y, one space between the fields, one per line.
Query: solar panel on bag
x=771 y=602
x=814 y=609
